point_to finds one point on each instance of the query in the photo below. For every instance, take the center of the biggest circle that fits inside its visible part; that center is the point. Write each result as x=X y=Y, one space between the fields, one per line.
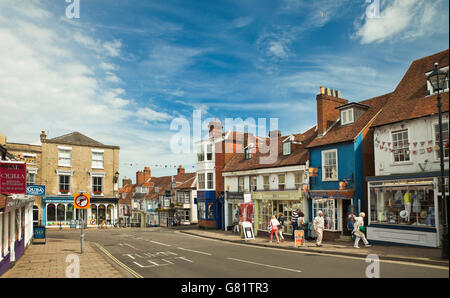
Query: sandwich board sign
x=247 y=228
x=299 y=238
x=81 y=201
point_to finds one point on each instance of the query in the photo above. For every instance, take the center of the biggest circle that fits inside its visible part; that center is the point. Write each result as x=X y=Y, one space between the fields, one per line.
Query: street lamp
x=437 y=80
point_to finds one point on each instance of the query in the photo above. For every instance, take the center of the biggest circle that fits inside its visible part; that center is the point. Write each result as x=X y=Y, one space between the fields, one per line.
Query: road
x=163 y=253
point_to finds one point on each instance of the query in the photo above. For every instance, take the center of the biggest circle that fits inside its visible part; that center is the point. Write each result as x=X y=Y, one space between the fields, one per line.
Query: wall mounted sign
x=36 y=190
x=81 y=201
x=13 y=177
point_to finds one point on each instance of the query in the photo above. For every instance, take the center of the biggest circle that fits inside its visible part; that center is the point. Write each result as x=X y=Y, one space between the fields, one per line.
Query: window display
x=269 y=208
x=402 y=205
x=201 y=210
x=329 y=210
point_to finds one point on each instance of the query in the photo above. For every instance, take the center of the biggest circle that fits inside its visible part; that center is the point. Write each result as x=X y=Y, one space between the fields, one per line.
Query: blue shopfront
x=210 y=209
x=336 y=185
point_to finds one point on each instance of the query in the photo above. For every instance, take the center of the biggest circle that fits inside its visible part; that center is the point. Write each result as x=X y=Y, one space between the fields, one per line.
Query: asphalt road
x=162 y=253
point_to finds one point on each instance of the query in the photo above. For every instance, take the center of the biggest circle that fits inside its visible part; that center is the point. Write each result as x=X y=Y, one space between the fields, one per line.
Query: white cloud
x=241 y=22
x=403 y=19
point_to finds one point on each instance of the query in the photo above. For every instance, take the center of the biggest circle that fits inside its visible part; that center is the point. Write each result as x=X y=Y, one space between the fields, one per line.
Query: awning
x=331 y=194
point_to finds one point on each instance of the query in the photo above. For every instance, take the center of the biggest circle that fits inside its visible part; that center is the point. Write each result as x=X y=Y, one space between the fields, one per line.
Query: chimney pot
x=322 y=90
x=43 y=135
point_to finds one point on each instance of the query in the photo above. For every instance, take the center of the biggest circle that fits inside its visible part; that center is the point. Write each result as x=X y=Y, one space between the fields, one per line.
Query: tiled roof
x=346 y=133
x=190 y=183
x=298 y=156
x=76 y=138
x=410 y=99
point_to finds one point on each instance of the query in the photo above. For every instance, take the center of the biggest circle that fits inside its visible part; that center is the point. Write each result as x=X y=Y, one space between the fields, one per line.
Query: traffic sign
x=81 y=201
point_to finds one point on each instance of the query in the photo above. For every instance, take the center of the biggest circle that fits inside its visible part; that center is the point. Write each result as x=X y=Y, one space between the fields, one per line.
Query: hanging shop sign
x=13 y=177
x=81 y=201
x=36 y=190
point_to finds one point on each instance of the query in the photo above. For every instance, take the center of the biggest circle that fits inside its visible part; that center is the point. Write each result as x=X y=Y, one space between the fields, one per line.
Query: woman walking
x=280 y=230
x=274 y=223
x=359 y=230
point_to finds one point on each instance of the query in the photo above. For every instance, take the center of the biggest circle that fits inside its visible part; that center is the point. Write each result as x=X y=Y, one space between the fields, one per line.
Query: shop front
x=59 y=212
x=232 y=207
x=268 y=203
x=206 y=201
x=336 y=207
x=405 y=209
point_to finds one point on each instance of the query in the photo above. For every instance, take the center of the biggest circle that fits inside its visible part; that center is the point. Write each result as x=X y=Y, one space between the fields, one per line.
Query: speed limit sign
x=81 y=201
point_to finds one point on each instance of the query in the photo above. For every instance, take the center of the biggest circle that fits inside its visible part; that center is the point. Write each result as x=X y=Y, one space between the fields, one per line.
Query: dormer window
x=287 y=148
x=248 y=153
x=347 y=116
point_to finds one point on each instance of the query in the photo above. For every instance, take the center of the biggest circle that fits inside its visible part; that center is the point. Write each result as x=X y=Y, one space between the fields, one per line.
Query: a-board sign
x=247 y=228
x=299 y=238
x=39 y=234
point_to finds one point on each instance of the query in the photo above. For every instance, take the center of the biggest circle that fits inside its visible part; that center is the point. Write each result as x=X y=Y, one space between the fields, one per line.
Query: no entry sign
x=81 y=201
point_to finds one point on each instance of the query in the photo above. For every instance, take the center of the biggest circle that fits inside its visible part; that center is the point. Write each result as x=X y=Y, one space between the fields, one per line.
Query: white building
x=405 y=195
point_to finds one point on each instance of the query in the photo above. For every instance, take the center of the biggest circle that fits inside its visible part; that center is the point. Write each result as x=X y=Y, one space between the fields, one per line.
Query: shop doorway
x=347 y=209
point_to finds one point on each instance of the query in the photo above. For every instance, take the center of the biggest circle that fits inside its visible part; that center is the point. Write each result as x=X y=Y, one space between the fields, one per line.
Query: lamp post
x=437 y=80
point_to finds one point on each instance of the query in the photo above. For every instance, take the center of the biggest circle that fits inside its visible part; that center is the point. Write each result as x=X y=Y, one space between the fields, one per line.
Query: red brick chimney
x=327 y=114
x=180 y=170
x=139 y=177
x=126 y=181
x=215 y=129
x=147 y=173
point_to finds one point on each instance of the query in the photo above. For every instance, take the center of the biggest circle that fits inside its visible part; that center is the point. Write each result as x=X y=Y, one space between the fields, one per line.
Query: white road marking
x=131 y=256
x=142 y=265
x=160 y=243
x=244 y=261
x=122 y=244
x=200 y=252
x=128 y=269
x=362 y=258
x=185 y=259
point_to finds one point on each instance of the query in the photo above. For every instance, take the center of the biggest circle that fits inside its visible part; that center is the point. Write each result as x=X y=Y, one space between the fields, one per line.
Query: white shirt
x=319 y=223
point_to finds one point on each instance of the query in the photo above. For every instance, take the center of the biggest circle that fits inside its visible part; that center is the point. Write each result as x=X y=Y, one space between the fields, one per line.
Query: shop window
x=329 y=210
x=64 y=158
x=61 y=212
x=266 y=182
x=51 y=212
x=69 y=212
x=329 y=165
x=210 y=177
x=437 y=140
x=210 y=210
x=201 y=210
x=402 y=206
x=281 y=181
x=400 y=145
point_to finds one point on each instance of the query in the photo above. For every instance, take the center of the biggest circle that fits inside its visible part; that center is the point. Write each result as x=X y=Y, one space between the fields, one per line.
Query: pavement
x=55 y=259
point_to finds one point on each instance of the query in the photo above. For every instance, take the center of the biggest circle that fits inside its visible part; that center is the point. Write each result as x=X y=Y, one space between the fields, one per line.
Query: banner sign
x=299 y=238
x=36 y=190
x=13 y=177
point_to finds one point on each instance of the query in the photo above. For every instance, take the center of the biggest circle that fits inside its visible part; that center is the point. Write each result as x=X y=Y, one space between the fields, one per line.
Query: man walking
x=359 y=230
x=319 y=226
x=294 y=222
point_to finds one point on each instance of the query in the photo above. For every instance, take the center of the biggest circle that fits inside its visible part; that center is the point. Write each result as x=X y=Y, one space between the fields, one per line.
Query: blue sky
x=125 y=69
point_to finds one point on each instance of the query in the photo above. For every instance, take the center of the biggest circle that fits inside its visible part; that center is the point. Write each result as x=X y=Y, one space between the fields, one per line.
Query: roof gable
x=76 y=138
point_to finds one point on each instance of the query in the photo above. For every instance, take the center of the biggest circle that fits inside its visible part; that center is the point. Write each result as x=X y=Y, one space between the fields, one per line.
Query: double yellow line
x=128 y=269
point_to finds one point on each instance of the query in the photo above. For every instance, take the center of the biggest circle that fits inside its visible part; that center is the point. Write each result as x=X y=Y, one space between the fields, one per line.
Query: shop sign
x=331 y=194
x=36 y=190
x=299 y=238
x=235 y=195
x=247 y=198
x=13 y=177
x=248 y=230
